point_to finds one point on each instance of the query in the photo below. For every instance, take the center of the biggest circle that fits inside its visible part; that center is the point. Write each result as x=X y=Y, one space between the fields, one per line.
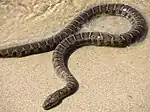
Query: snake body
x=137 y=31
x=68 y=39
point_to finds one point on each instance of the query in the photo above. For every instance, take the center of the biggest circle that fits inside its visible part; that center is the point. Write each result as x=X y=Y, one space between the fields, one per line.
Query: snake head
x=52 y=100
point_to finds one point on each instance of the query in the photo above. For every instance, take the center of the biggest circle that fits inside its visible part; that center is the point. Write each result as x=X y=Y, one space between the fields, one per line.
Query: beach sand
x=110 y=79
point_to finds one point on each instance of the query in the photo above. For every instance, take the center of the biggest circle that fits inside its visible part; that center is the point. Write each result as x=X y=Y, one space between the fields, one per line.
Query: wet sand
x=111 y=79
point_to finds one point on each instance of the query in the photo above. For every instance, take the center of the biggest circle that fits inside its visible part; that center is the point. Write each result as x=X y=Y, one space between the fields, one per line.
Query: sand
x=111 y=79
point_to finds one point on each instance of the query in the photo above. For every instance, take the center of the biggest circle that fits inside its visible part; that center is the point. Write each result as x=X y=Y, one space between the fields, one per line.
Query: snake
x=69 y=39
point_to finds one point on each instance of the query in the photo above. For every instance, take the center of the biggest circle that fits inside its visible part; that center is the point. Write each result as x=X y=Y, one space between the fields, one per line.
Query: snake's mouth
x=49 y=105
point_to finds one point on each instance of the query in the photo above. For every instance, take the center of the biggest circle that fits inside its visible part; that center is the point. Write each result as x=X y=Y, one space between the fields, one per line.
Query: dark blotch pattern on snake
x=68 y=39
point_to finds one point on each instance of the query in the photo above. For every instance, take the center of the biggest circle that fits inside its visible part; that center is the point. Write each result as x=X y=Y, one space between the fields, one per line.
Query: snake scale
x=68 y=39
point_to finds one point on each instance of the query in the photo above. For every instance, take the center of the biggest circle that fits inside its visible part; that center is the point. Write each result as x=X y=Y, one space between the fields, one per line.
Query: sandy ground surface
x=111 y=79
